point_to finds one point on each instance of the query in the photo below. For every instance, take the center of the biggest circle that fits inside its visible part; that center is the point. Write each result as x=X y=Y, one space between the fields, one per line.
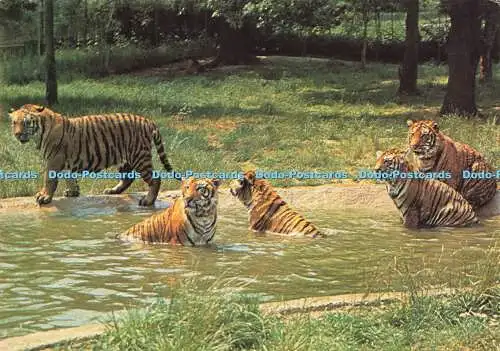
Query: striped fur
x=437 y=152
x=92 y=143
x=268 y=212
x=191 y=220
x=423 y=202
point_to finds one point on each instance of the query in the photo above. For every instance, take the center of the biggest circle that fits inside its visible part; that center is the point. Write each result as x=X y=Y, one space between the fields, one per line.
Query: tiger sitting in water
x=268 y=212
x=91 y=143
x=423 y=202
x=190 y=221
x=437 y=152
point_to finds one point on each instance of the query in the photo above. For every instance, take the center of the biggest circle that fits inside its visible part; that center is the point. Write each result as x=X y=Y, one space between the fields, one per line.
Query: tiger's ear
x=410 y=122
x=39 y=108
x=216 y=182
x=12 y=109
x=378 y=154
x=435 y=126
x=250 y=176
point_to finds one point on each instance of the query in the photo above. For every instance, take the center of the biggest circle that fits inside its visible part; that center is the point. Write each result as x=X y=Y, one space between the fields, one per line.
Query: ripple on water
x=66 y=269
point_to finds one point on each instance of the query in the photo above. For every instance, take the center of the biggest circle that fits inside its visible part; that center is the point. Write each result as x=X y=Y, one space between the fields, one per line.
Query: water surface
x=66 y=269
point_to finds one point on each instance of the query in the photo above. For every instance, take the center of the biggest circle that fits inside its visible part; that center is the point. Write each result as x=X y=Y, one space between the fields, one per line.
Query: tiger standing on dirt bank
x=423 y=202
x=191 y=220
x=268 y=212
x=91 y=143
x=437 y=152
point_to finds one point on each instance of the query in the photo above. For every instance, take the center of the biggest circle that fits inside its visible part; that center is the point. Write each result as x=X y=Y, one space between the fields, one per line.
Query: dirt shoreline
x=372 y=197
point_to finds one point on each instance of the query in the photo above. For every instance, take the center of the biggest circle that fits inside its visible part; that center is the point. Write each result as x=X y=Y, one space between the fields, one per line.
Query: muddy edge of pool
x=325 y=197
x=58 y=337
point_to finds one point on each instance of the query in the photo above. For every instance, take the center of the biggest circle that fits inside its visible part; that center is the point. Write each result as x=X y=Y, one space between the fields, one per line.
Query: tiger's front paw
x=42 y=198
x=71 y=193
x=145 y=201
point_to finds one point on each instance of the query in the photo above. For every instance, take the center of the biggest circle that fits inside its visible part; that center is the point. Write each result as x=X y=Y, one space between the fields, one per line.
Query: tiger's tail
x=157 y=139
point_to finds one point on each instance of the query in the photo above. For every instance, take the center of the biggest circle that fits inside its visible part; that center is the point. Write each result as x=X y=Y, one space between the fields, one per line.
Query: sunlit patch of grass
x=284 y=114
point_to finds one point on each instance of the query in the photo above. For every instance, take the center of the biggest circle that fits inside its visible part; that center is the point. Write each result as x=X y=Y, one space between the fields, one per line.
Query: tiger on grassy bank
x=191 y=220
x=268 y=212
x=437 y=152
x=423 y=202
x=91 y=143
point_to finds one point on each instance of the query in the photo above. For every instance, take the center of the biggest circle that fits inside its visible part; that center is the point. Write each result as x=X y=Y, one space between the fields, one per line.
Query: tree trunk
x=491 y=28
x=234 y=44
x=408 y=71
x=40 y=29
x=85 y=24
x=50 y=58
x=495 y=53
x=156 y=38
x=463 y=56
x=365 y=40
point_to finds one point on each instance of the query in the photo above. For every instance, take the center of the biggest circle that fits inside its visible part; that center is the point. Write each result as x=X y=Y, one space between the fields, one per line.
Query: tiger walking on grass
x=91 y=143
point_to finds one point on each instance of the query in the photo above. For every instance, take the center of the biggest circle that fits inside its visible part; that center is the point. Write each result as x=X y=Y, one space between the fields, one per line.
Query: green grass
x=291 y=113
x=216 y=320
x=75 y=64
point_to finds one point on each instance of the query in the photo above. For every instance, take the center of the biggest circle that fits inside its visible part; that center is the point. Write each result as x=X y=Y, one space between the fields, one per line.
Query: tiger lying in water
x=423 y=202
x=437 y=152
x=91 y=143
x=268 y=212
x=190 y=221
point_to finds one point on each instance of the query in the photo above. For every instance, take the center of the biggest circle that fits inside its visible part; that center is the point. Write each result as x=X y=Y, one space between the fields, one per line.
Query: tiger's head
x=391 y=160
x=424 y=140
x=200 y=195
x=26 y=121
x=242 y=188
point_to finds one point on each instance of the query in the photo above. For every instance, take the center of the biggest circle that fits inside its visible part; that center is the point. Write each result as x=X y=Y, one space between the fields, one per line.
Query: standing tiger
x=267 y=210
x=423 y=202
x=437 y=152
x=91 y=143
x=191 y=219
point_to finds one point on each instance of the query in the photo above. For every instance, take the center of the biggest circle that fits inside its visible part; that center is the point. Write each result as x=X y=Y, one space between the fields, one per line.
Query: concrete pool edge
x=59 y=337
x=361 y=196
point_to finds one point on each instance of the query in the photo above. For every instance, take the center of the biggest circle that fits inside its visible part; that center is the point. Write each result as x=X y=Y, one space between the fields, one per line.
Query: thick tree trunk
x=235 y=44
x=365 y=40
x=40 y=28
x=50 y=58
x=491 y=28
x=85 y=23
x=408 y=71
x=463 y=56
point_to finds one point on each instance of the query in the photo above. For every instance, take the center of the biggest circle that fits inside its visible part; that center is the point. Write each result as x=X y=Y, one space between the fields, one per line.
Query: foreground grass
x=201 y=317
x=215 y=321
x=288 y=114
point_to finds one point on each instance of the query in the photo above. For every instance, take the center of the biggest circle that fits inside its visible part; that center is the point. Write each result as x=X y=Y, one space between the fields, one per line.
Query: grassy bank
x=74 y=64
x=285 y=114
x=218 y=321
x=198 y=316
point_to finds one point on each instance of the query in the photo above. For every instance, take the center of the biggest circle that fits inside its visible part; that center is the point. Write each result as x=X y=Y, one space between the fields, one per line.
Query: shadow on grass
x=79 y=106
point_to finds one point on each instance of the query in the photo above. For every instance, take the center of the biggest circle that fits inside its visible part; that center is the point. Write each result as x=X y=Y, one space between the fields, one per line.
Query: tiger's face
x=424 y=142
x=200 y=196
x=25 y=121
x=242 y=188
x=390 y=160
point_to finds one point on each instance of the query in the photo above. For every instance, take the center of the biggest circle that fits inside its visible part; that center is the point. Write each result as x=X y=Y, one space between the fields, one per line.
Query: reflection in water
x=59 y=270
